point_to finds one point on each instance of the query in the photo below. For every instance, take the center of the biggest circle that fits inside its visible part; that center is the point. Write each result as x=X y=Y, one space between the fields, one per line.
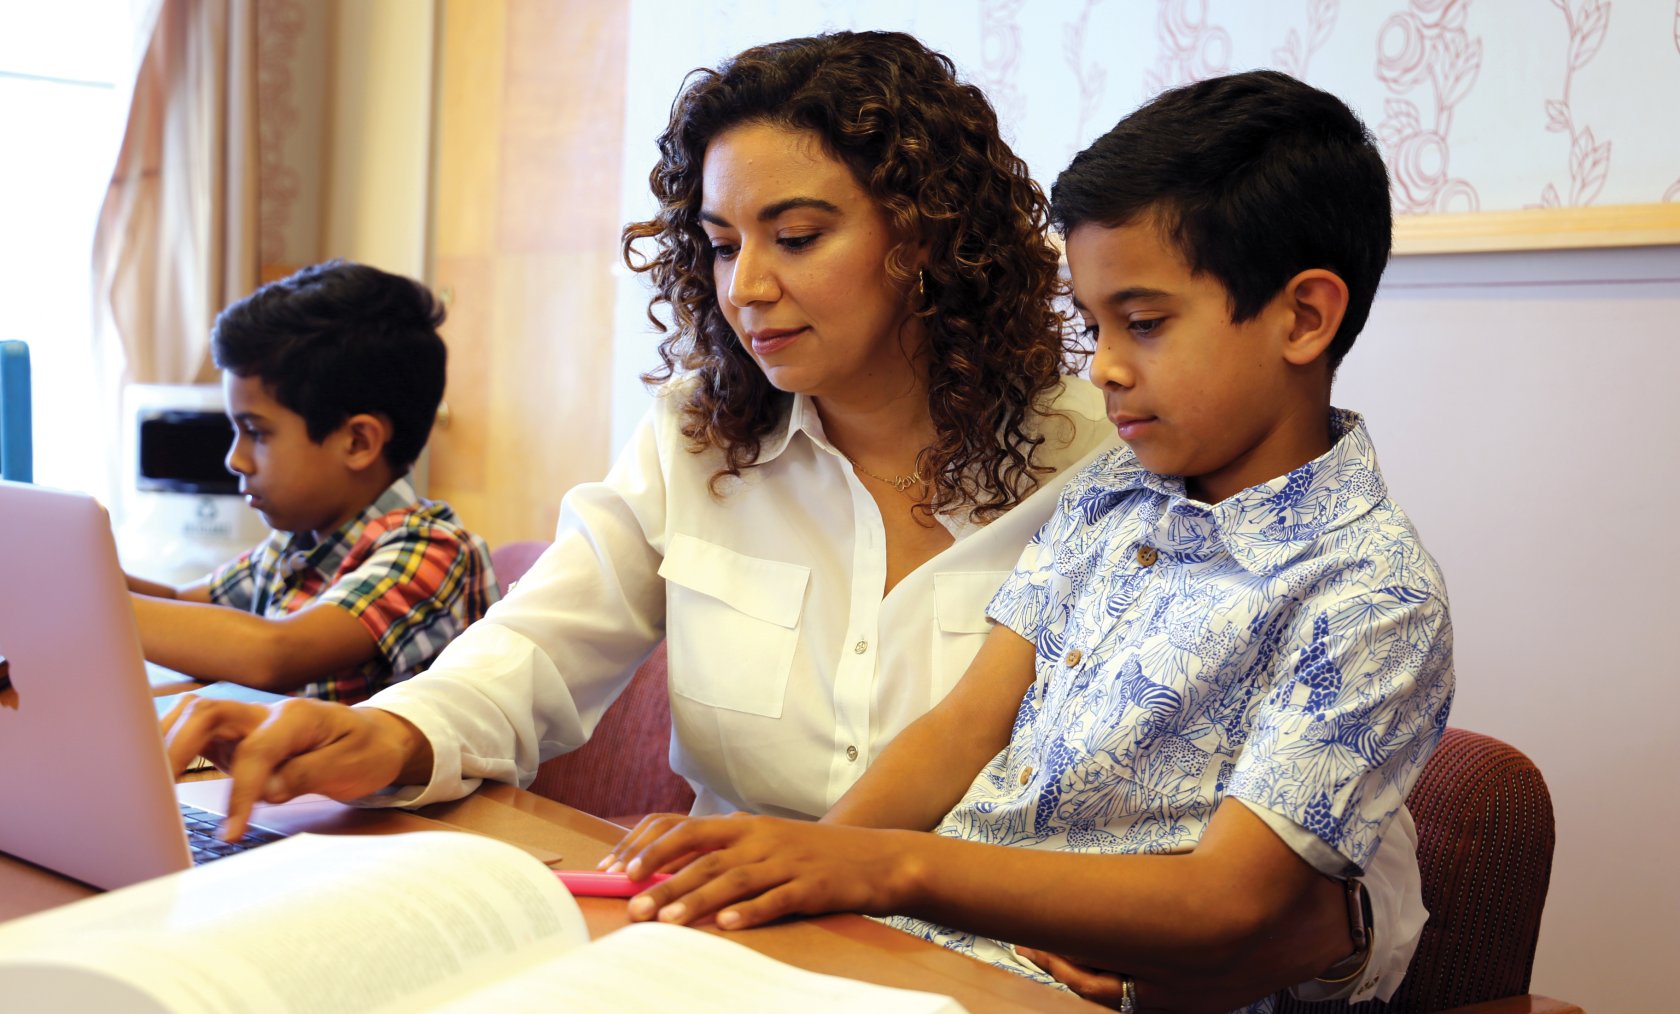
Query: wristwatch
x=1359 y=930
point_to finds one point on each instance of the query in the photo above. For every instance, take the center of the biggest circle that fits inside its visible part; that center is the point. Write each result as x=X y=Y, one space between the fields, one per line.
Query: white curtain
x=177 y=235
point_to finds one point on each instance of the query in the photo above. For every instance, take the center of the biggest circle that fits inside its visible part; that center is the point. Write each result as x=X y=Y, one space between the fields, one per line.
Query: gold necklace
x=899 y=483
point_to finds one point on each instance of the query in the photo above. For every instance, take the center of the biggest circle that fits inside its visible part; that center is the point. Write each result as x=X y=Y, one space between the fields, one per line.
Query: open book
x=434 y=920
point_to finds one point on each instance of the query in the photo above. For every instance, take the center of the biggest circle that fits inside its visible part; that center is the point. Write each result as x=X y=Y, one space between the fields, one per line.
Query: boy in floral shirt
x=1219 y=669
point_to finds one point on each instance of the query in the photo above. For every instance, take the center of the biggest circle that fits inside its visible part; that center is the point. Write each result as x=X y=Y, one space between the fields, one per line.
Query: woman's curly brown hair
x=926 y=148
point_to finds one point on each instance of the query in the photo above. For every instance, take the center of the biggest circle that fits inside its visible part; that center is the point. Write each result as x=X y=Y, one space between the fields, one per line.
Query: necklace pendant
x=899 y=483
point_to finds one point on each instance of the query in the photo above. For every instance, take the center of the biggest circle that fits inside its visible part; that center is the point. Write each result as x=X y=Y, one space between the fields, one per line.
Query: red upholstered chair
x=1485 y=836
x=623 y=771
x=512 y=560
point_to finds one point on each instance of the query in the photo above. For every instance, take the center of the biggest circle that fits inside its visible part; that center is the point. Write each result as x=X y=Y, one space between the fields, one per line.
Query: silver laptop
x=85 y=787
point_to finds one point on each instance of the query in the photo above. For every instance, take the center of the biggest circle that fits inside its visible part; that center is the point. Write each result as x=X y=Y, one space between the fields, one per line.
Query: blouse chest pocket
x=733 y=624
x=959 y=608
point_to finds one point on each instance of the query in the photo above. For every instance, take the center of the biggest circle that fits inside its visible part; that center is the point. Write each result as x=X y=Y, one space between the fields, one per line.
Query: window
x=63 y=100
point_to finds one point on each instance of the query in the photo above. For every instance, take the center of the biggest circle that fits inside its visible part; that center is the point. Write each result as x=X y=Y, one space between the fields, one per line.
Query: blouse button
x=1146 y=555
x=1072 y=658
x=860 y=647
x=1026 y=774
x=851 y=753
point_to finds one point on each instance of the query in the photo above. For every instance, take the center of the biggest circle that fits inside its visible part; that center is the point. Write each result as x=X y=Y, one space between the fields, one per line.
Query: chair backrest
x=624 y=770
x=511 y=560
x=1485 y=837
x=17 y=455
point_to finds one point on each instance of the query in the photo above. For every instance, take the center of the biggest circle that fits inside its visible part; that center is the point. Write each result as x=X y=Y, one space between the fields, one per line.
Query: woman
x=867 y=413
x=866 y=416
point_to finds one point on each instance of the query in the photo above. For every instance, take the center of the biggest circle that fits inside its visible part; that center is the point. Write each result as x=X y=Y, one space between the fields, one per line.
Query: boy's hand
x=1098 y=985
x=750 y=870
x=646 y=831
x=276 y=752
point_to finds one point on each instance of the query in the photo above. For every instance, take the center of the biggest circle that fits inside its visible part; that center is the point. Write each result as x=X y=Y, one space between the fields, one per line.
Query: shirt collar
x=801 y=417
x=1265 y=527
x=326 y=555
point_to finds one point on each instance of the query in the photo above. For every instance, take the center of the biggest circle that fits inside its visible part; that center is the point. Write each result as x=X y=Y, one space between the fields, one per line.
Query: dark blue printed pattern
x=1289 y=646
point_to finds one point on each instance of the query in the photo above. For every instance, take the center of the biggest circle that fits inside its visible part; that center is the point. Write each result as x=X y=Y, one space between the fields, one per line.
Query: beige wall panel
x=376 y=202
x=564 y=125
x=548 y=391
x=458 y=468
x=530 y=111
x=469 y=126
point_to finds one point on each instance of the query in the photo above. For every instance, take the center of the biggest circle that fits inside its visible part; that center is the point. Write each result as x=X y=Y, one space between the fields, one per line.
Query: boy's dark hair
x=339 y=339
x=1254 y=177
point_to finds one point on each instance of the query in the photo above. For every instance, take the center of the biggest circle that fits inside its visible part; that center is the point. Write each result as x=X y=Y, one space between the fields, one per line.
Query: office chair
x=17 y=456
x=1485 y=836
x=624 y=771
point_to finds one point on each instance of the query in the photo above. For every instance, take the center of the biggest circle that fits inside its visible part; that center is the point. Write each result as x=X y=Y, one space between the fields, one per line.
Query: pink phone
x=595 y=884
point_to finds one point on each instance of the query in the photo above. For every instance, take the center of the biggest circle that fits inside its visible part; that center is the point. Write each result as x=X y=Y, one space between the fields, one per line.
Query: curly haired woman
x=865 y=415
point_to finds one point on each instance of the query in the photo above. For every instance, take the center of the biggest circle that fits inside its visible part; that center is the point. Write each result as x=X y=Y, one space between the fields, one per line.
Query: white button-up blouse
x=789 y=670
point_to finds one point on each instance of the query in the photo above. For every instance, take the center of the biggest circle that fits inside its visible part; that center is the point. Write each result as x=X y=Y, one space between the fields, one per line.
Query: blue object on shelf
x=17 y=456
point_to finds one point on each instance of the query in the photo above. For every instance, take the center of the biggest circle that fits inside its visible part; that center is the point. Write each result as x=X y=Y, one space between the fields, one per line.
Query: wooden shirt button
x=1072 y=658
x=1146 y=555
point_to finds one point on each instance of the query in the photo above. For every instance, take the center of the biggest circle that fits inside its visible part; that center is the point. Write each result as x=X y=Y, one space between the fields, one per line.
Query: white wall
x=1525 y=413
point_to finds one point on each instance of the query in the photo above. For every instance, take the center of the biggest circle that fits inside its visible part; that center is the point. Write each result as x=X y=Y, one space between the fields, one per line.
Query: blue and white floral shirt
x=1289 y=646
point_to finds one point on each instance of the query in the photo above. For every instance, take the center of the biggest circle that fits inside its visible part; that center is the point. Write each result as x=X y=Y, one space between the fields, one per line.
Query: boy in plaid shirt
x=332 y=378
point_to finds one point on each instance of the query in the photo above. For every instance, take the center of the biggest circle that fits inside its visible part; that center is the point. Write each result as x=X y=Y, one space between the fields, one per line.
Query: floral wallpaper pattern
x=1295 y=54
x=1589 y=160
x=1478 y=104
x=1090 y=74
x=1000 y=47
x=1190 y=47
x=1426 y=49
x=1673 y=191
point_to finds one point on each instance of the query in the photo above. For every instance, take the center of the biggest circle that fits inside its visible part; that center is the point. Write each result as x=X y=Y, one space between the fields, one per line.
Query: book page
x=313 y=923
x=659 y=967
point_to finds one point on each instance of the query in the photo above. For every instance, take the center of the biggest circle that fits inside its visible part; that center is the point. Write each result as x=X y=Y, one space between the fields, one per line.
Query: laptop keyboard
x=201 y=835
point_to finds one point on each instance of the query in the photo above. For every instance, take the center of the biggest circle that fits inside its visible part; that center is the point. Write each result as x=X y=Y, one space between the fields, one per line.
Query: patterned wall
x=1480 y=104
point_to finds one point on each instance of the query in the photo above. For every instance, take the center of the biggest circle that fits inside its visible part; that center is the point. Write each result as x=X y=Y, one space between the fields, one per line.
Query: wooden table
x=845 y=945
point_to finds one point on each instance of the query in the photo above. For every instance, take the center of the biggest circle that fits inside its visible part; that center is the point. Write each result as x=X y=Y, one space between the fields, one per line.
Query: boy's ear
x=365 y=438
x=1318 y=299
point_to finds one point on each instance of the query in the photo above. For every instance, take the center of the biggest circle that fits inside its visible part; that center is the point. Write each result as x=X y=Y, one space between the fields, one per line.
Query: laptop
x=85 y=786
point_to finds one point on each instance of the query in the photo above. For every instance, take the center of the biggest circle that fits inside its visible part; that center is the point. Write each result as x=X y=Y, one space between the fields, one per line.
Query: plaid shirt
x=405 y=568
